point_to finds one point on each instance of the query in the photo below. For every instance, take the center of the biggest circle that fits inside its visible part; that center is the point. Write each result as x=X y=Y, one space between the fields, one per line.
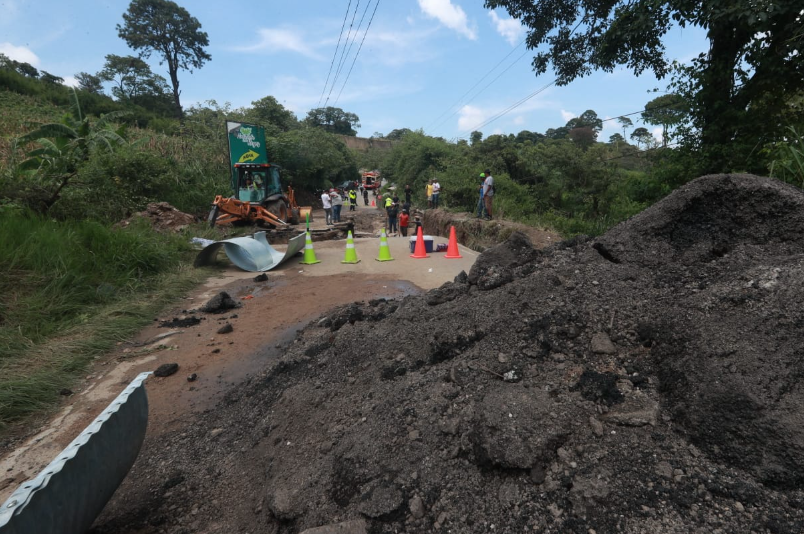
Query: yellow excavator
x=258 y=198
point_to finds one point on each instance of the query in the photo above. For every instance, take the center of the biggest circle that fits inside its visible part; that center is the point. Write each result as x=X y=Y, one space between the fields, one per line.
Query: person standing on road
x=408 y=193
x=352 y=200
x=481 y=206
x=403 y=223
x=488 y=193
x=327 y=202
x=365 y=196
x=393 y=212
x=436 y=192
x=337 y=205
x=429 y=191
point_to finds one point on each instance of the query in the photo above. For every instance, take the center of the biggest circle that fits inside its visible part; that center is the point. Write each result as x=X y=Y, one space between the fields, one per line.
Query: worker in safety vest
x=388 y=201
x=352 y=200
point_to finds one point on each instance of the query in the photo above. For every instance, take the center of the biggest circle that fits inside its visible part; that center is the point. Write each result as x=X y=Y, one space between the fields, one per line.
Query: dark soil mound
x=660 y=392
x=220 y=303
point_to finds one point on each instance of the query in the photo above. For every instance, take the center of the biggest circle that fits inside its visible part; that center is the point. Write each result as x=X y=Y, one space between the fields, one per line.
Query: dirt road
x=272 y=312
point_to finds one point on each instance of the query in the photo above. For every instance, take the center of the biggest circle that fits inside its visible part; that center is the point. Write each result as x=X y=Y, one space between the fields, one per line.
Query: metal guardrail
x=67 y=496
x=250 y=254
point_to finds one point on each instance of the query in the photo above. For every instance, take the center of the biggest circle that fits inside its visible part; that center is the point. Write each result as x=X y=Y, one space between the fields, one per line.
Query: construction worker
x=365 y=196
x=352 y=200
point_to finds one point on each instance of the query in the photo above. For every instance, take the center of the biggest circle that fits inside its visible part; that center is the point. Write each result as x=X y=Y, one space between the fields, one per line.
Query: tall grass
x=68 y=292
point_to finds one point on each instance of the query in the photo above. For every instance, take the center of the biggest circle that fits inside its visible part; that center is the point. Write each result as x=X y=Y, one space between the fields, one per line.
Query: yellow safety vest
x=388 y=202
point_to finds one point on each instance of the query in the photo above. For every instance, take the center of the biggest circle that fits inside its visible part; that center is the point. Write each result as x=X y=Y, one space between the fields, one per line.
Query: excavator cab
x=257 y=182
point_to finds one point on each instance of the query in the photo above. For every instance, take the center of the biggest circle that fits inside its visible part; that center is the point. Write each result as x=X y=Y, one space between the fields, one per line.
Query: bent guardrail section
x=250 y=254
x=67 y=496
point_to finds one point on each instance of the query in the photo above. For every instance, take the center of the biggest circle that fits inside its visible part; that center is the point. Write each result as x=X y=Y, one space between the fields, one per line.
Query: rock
x=597 y=426
x=66 y=392
x=588 y=493
x=379 y=498
x=166 y=369
x=192 y=377
x=509 y=493
x=283 y=503
x=601 y=344
x=739 y=507
x=664 y=469
x=416 y=507
x=220 y=303
x=261 y=278
x=215 y=432
x=356 y=526
x=638 y=409
x=538 y=474
x=226 y=329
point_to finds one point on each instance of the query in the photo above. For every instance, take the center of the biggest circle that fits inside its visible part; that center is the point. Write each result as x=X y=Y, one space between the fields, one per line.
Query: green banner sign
x=246 y=145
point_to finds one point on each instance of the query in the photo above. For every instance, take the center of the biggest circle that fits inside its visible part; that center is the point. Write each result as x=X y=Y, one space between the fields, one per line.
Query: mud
x=656 y=388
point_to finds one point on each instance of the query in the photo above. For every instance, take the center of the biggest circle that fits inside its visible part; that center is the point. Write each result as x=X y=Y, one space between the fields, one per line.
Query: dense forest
x=76 y=161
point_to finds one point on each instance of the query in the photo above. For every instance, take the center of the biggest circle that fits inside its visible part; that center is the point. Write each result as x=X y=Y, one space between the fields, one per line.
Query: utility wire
x=483 y=89
x=340 y=61
x=334 y=55
x=457 y=102
x=352 y=43
x=358 y=50
x=509 y=108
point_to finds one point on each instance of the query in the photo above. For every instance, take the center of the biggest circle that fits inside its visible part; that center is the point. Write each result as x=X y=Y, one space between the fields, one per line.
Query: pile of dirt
x=645 y=381
x=163 y=217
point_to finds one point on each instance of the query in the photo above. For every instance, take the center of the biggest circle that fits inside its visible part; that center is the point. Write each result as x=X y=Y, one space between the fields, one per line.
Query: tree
x=333 y=120
x=665 y=111
x=90 y=83
x=398 y=134
x=163 y=27
x=751 y=69
x=642 y=135
x=51 y=79
x=583 y=136
x=557 y=133
x=616 y=139
x=625 y=122
x=63 y=147
x=525 y=135
x=268 y=111
x=475 y=137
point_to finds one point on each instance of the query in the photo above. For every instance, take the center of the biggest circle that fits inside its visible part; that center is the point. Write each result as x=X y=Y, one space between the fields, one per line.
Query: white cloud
x=657 y=134
x=70 y=81
x=470 y=117
x=519 y=120
x=395 y=48
x=567 y=115
x=19 y=53
x=278 y=40
x=511 y=29
x=451 y=16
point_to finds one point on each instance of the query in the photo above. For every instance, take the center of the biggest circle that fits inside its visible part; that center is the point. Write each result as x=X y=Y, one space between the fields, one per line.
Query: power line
x=476 y=84
x=358 y=50
x=340 y=61
x=510 y=108
x=352 y=43
x=335 y=54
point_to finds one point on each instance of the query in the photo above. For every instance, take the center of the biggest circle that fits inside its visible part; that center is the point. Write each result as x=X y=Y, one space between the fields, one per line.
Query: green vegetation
x=69 y=292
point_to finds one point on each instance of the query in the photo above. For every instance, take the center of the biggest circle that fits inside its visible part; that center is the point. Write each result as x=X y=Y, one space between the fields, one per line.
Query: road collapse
x=644 y=381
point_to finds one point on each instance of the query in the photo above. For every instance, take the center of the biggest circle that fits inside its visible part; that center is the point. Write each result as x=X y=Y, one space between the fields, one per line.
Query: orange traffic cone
x=452 y=248
x=420 y=251
x=372 y=204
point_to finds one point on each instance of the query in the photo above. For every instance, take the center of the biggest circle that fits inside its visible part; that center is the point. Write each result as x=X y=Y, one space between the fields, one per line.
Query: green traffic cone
x=309 y=253
x=385 y=252
x=351 y=254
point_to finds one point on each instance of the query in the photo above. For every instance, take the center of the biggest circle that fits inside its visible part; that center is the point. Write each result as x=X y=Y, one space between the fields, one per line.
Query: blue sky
x=419 y=59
